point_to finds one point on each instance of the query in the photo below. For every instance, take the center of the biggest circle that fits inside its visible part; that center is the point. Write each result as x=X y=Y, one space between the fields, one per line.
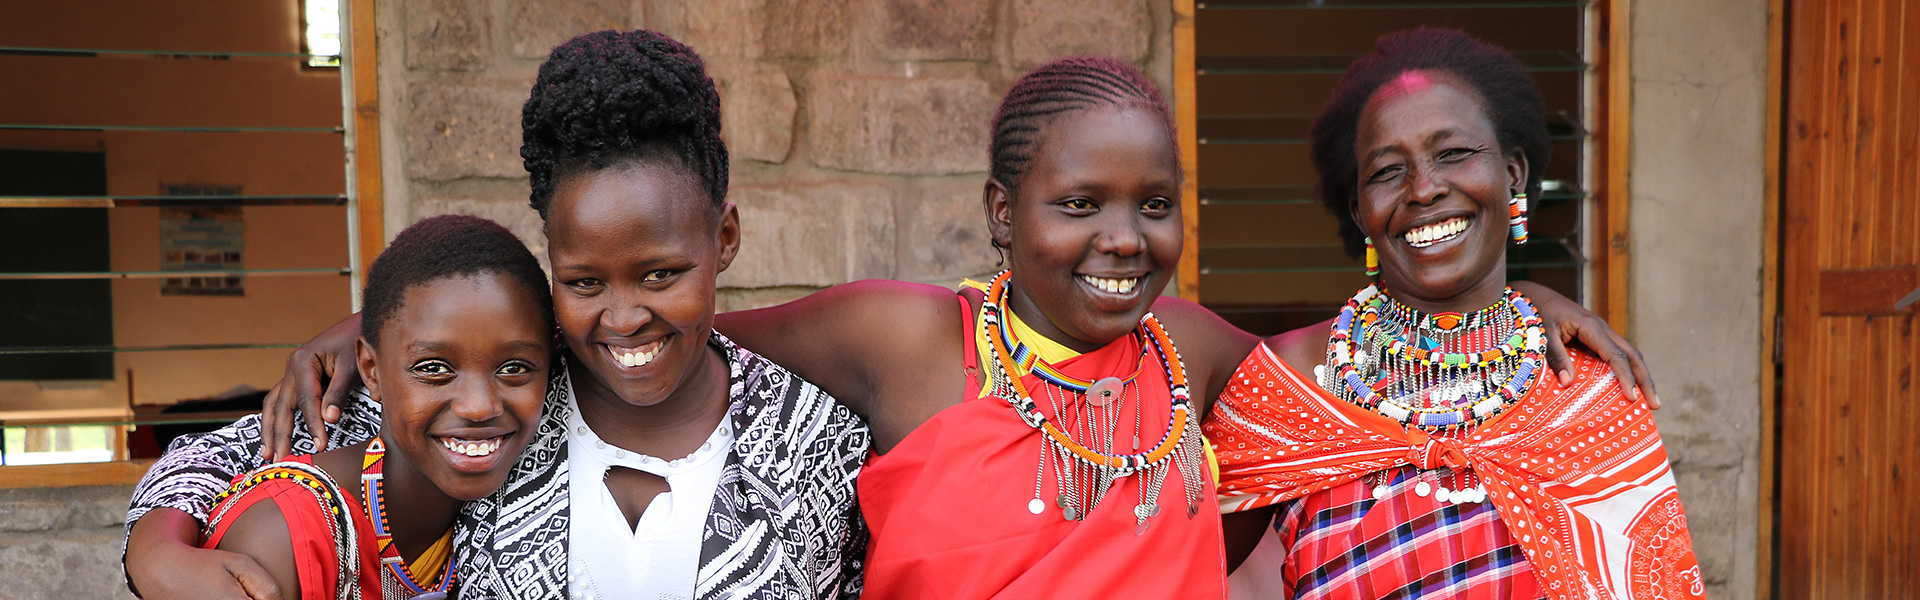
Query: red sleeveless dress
x=309 y=524
x=947 y=507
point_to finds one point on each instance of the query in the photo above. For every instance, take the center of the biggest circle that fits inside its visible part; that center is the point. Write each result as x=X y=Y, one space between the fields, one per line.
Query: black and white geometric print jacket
x=784 y=522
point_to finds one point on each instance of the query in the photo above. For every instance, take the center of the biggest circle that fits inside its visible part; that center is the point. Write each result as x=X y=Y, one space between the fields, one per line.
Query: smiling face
x=460 y=373
x=1095 y=233
x=635 y=250
x=1433 y=190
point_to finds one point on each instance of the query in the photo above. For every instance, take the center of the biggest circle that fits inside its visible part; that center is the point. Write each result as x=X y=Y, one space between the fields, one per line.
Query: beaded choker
x=394 y=574
x=1029 y=361
x=1085 y=474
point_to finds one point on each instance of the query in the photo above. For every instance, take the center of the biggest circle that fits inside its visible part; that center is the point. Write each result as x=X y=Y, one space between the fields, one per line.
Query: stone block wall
x=62 y=542
x=858 y=128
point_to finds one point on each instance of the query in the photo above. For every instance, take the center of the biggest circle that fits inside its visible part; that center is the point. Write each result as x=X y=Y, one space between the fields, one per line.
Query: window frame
x=360 y=106
x=1609 y=89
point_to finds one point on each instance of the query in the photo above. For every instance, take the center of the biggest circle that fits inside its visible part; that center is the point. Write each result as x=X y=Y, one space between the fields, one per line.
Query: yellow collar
x=1043 y=346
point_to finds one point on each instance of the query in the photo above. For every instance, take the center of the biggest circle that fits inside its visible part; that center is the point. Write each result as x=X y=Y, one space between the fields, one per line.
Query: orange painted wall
x=146 y=90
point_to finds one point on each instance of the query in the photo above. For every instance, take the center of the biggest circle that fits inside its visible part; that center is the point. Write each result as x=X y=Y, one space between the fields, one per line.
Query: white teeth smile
x=472 y=447
x=1112 y=286
x=1429 y=235
x=636 y=358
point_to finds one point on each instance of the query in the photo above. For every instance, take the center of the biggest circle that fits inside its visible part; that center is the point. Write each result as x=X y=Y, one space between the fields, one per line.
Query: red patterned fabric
x=315 y=562
x=1342 y=543
x=948 y=509
x=1577 y=473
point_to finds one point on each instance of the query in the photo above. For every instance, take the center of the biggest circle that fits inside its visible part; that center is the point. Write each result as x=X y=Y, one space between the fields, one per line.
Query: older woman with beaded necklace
x=1427 y=409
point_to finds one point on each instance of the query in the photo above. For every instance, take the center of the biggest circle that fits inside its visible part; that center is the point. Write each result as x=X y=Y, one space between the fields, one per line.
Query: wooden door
x=1849 y=523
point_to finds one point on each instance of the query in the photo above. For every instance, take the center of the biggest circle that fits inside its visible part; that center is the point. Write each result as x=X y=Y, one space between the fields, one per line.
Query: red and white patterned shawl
x=1577 y=472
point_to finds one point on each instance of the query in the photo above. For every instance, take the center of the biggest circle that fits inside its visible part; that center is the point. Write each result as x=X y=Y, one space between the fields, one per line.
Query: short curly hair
x=1507 y=94
x=610 y=97
x=1052 y=89
x=445 y=247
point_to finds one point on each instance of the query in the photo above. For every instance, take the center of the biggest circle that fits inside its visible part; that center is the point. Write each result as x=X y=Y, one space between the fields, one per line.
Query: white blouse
x=659 y=558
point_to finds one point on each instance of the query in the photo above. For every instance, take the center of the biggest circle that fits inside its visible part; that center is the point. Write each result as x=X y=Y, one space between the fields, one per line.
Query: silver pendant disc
x=1146 y=510
x=1070 y=514
x=1422 y=489
x=1105 y=391
x=1035 y=506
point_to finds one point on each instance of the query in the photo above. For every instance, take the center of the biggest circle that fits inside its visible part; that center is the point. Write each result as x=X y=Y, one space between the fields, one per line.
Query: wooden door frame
x=1766 y=556
x=1186 y=119
x=1612 y=156
x=360 y=90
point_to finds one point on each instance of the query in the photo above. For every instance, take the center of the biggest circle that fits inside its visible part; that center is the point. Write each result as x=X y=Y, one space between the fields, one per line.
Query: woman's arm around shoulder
x=1566 y=320
x=852 y=339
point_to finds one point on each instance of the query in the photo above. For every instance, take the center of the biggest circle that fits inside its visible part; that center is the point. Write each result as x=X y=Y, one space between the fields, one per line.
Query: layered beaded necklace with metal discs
x=1082 y=454
x=1444 y=373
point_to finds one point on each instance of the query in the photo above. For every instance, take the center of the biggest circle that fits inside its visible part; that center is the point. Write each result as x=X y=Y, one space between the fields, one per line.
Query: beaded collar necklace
x=1085 y=474
x=1445 y=373
x=394 y=568
x=1373 y=363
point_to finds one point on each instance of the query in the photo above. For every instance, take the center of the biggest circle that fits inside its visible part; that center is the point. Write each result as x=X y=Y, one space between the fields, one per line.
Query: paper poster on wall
x=202 y=239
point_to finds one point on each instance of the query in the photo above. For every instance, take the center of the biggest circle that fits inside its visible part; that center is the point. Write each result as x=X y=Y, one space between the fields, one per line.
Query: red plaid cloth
x=1341 y=543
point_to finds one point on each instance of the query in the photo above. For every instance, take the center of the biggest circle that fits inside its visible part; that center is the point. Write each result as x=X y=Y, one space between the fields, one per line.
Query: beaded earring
x=1373 y=259
x=1517 y=217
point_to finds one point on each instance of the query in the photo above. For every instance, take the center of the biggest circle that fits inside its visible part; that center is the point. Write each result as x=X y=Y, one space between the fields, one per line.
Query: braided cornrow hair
x=613 y=96
x=1064 y=85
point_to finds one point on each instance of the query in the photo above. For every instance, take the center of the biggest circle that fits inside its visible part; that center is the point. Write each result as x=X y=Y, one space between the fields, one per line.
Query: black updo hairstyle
x=1507 y=94
x=1052 y=89
x=445 y=247
x=611 y=96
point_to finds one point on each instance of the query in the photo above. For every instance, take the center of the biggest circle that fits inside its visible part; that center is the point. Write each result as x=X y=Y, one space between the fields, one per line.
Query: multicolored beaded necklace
x=1029 y=362
x=395 y=571
x=1445 y=373
x=1085 y=474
